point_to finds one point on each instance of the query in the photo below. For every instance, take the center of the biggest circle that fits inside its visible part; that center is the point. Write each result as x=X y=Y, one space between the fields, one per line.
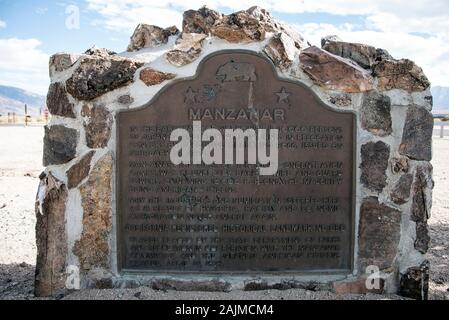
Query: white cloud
x=23 y=64
x=2 y=24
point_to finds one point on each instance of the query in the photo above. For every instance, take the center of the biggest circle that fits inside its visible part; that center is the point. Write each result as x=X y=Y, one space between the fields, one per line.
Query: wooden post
x=13 y=117
x=26 y=115
x=442 y=130
x=9 y=117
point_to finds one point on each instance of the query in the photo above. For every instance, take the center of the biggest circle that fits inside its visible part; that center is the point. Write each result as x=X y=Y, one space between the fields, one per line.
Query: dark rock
x=79 y=171
x=188 y=48
x=179 y=285
x=375 y=114
x=59 y=145
x=422 y=240
x=399 y=165
x=422 y=204
x=422 y=192
x=415 y=282
x=417 y=135
x=99 y=74
x=374 y=165
x=125 y=99
x=333 y=72
x=57 y=101
x=92 y=249
x=281 y=50
x=152 y=77
x=149 y=36
x=362 y=54
x=51 y=240
x=379 y=234
x=401 y=192
x=341 y=100
x=97 y=124
x=200 y=21
x=283 y=285
x=400 y=74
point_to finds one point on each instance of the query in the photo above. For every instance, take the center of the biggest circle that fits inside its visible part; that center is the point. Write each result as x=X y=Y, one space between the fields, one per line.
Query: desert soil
x=21 y=164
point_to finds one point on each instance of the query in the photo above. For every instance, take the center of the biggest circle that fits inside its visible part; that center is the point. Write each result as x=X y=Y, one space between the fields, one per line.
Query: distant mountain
x=440 y=97
x=14 y=99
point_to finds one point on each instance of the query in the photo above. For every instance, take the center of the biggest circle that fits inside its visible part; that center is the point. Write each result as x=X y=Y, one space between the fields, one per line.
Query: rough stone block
x=92 y=248
x=97 y=125
x=51 y=240
x=417 y=135
x=415 y=282
x=333 y=72
x=59 y=145
x=79 y=171
x=57 y=101
x=376 y=114
x=401 y=192
x=374 y=165
x=379 y=234
x=99 y=74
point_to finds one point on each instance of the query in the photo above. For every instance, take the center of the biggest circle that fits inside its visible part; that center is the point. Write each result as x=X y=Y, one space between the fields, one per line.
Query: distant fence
x=441 y=129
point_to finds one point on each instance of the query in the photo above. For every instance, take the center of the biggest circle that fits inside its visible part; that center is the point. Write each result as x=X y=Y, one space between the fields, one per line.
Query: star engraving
x=283 y=96
x=190 y=95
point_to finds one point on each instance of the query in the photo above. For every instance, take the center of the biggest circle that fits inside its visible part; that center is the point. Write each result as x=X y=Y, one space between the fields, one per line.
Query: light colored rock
x=61 y=61
x=375 y=114
x=151 y=77
x=92 y=249
x=59 y=144
x=188 y=48
x=357 y=286
x=281 y=50
x=334 y=73
x=149 y=36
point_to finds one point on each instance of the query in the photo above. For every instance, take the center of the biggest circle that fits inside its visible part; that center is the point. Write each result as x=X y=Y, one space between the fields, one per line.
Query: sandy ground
x=20 y=165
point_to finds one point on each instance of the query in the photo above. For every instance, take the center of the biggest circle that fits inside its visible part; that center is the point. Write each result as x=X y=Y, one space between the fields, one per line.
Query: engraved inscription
x=222 y=217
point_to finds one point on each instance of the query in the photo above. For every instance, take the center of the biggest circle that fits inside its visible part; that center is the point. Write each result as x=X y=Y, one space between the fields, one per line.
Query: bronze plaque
x=229 y=217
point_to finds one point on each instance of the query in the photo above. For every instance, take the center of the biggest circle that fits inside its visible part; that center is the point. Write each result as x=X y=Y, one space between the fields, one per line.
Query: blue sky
x=30 y=31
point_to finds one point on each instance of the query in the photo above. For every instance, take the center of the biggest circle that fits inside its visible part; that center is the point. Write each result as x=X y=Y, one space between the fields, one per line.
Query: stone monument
x=295 y=166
